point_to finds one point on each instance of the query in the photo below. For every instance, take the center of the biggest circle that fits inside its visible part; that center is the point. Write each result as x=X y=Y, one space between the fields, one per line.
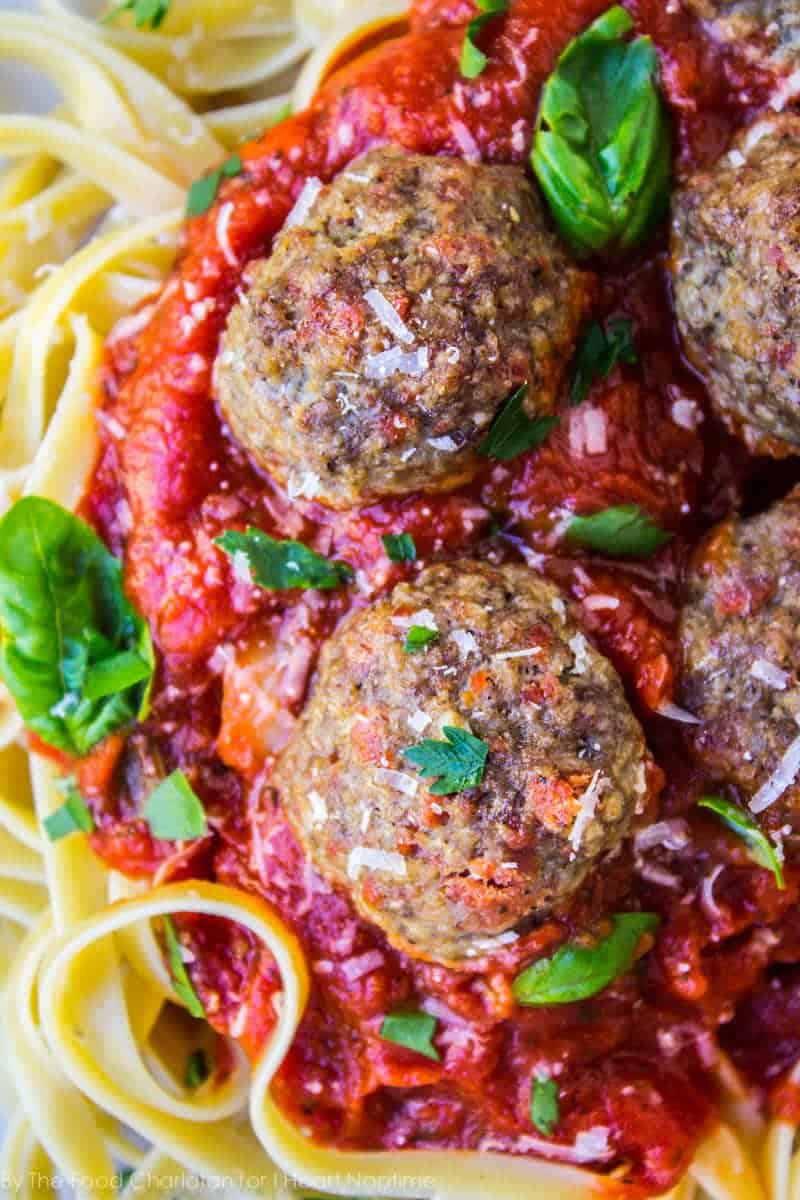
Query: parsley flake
x=184 y=988
x=197 y=1069
x=473 y=60
x=759 y=847
x=203 y=191
x=419 y=637
x=146 y=13
x=599 y=352
x=513 y=432
x=624 y=531
x=457 y=764
x=413 y=1031
x=283 y=565
x=173 y=811
x=400 y=547
x=545 y=1112
x=72 y=817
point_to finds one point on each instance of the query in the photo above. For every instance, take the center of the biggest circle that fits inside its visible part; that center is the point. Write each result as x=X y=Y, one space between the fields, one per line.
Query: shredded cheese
x=587 y=807
x=781 y=779
x=388 y=316
x=768 y=673
x=319 y=809
x=362 y=858
x=398 y=781
x=304 y=202
x=223 y=234
x=673 y=713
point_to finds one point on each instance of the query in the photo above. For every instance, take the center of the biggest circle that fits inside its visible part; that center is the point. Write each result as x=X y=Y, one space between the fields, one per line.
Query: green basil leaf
x=545 y=1111
x=197 y=1069
x=125 y=1176
x=173 y=810
x=513 y=432
x=146 y=13
x=414 y=1030
x=623 y=531
x=203 y=191
x=419 y=637
x=576 y=972
x=280 y=566
x=602 y=147
x=74 y=653
x=184 y=989
x=473 y=60
x=599 y=352
x=400 y=547
x=759 y=846
x=72 y=817
x=457 y=763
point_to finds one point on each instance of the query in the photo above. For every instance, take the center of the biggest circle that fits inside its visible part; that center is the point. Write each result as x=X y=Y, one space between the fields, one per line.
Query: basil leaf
x=759 y=846
x=280 y=566
x=145 y=12
x=419 y=637
x=173 y=810
x=400 y=547
x=602 y=148
x=180 y=977
x=414 y=1030
x=197 y=1069
x=623 y=531
x=473 y=60
x=72 y=817
x=125 y=1176
x=599 y=352
x=576 y=972
x=458 y=762
x=203 y=191
x=545 y=1111
x=513 y=432
x=74 y=653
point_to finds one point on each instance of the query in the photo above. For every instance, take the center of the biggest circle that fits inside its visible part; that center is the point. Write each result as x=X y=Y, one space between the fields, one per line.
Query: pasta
x=91 y=201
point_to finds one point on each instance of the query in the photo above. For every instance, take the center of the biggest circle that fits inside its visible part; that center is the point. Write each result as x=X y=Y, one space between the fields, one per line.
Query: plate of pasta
x=399 y=599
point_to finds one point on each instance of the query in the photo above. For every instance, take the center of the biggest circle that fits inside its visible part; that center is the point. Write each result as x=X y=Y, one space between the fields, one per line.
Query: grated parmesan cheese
x=768 y=673
x=397 y=362
x=580 y=648
x=529 y=653
x=397 y=780
x=419 y=721
x=673 y=713
x=304 y=202
x=465 y=641
x=388 y=316
x=223 y=234
x=780 y=780
x=308 y=485
x=319 y=809
x=587 y=807
x=362 y=858
x=446 y=444
x=241 y=567
x=599 y=603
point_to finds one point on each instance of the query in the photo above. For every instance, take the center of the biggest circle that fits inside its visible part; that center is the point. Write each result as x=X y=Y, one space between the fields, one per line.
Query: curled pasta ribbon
x=356 y=24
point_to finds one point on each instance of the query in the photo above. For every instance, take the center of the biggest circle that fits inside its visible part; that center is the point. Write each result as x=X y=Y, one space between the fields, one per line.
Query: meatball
x=446 y=875
x=736 y=264
x=773 y=26
x=371 y=351
x=741 y=648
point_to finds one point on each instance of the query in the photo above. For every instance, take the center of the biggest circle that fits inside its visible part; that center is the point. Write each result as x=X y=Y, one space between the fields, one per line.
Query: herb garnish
x=759 y=847
x=513 y=432
x=145 y=12
x=419 y=637
x=173 y=810
x=413 y=1030
x=74 y=653
x=545 y=1111
x=400 y=547
x=203 y=191
x=184 y=989
x=599 y=352
x=457 y=763
x=197 y=1069
x=282 y=565
x=576 y=972
x=72 y=817
x=624 y=531
x=473 y=60
x=602 y=150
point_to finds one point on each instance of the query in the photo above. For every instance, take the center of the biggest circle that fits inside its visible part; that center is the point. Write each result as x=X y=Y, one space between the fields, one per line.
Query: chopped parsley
x=197 y=1069
x=203 y=191
x=413 y=1031
x=473 y=60
x=282 y=565
x=173 y=811
x=146 y=13
x=419 y=637
x=513 y=432
x=545 y=1112
x=400 y=547
x=456 y=764
x=624 y=531
x=759 y=847
x=72 y=817
x=599 y=352
x=184 y=989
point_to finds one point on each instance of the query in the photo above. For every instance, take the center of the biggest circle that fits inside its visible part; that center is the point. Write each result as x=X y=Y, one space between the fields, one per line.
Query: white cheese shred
x=388 y=316
x=223 y=234
x=304 y=202
x=362 y=858
x=766 y=672
x=673 y=713
x=780 y=780
x=588 y=804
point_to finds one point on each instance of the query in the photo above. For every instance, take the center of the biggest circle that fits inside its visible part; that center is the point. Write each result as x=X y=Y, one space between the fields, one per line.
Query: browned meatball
x=736 y=264
x=372 y=350
x=447 y=875
x=741 y=644
x=770 y=27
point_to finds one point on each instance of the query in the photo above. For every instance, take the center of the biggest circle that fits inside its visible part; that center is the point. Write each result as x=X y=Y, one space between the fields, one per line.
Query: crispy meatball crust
x=487 y=299
x=773 y=26
x=736 y=265
x=743 y=617
x=474 y=865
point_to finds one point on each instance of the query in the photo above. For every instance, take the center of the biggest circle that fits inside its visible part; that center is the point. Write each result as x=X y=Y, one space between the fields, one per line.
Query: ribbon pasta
x=87 y=1002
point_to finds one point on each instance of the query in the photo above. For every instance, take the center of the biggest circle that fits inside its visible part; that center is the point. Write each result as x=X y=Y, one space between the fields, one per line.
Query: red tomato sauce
x=637 y=1061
